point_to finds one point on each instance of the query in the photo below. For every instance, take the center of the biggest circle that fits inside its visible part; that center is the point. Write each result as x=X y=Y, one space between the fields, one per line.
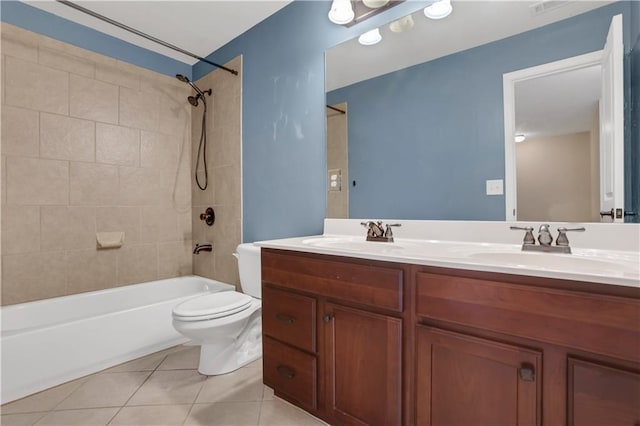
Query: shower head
x=193 y=100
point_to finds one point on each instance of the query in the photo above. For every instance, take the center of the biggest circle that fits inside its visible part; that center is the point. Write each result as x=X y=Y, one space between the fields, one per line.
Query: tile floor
x=160 y=389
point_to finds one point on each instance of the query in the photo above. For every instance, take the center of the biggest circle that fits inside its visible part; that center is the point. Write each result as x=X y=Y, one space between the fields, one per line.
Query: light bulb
x=370 y=37
x=438 y=10
x=341 y=12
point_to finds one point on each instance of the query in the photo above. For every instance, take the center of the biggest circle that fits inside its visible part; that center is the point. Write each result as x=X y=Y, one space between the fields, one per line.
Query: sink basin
x=558 y=262
x=353 y=244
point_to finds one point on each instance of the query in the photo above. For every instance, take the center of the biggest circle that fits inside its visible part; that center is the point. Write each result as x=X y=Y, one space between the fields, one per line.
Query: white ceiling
x=558 y=104
x=200 y=27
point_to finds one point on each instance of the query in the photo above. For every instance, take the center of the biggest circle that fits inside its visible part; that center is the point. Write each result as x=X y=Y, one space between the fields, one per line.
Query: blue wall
x=283 y=120
x=41 y=22
x=439 y=125
x=635 y=108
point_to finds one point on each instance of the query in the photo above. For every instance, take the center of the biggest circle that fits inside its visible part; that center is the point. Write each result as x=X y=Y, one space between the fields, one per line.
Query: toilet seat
x=211 y=306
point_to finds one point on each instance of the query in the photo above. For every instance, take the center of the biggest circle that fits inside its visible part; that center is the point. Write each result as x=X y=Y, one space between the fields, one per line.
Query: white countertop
x=607 y=266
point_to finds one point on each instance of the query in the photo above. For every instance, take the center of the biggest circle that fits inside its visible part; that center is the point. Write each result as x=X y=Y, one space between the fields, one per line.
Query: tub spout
x=202 y=247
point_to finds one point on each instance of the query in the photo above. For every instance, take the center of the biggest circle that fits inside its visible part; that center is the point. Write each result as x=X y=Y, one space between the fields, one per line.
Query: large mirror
x=417 y=124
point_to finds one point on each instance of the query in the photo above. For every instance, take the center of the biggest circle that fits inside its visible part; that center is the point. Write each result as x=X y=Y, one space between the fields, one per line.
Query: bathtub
x=49 y=342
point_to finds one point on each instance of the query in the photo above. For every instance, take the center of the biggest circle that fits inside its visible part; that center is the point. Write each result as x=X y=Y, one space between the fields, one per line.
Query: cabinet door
x=464 y=380
x=363 y=366
x=602 y=395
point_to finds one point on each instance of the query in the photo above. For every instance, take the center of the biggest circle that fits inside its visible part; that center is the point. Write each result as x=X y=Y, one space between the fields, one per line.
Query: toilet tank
x=249 y=268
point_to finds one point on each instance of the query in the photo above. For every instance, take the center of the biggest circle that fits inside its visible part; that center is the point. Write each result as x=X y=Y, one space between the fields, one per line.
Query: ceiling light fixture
x=438 y=10
x=374 y=4
x=341 y=12
x=401 y=25
x=370 y=37
x=520 y=138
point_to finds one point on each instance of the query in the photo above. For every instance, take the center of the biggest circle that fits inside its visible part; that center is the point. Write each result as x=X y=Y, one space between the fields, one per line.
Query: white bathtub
x=49 y=342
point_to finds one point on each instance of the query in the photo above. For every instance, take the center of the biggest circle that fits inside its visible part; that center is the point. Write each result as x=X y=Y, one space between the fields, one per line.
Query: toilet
x=227 y=324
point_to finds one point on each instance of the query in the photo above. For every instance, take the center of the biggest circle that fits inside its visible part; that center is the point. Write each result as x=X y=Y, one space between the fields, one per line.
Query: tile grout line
x=136 y=391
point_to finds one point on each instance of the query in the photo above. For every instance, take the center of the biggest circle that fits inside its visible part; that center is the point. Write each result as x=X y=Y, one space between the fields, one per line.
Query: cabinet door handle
x=327 y=318
x=527 y=372
x=286 y=372
x=285 y=318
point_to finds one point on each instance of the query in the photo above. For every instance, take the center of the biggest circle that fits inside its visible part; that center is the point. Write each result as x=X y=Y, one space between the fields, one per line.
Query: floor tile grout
x=136 y=391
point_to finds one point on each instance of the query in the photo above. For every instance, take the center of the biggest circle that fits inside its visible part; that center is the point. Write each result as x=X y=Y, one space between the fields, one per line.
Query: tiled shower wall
x=89 y=144
x=224 y=158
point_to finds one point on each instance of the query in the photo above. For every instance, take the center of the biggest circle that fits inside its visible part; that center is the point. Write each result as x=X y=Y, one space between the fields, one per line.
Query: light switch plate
x=495 y=187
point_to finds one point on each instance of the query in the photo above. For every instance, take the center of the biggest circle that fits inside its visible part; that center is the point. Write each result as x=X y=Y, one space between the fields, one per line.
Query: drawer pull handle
x=327 y=318
x=527 y=372
x=285 y=318
x=285 y=372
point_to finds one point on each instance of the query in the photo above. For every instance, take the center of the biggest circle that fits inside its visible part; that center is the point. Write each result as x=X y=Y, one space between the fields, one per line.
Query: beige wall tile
x=36 y=87
x=114 y=74
x=19 y=43
x=226 y=267
x=3 y=177
x=67 y=228
x=226 y=148
x=175 y=112
x=93 y=100
x=90 y=270
x=161 y=224
x=35 y=181
x=158 y=150
x=20 y=229
x=120 y=219
x=200 y=197
x=65 y=138
x=203 y=264
x=137 y=264
x=174 y=259
x=66 y=62
x=33 y=276
x=139 y=109
x=20 y=131
x=139 y=186
x=117 y=145
x=93 y=184
x=227 y=184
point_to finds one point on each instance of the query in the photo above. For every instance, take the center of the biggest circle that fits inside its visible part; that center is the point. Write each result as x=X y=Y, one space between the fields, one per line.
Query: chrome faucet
x=202 y=247
x=375 y=231
x=545 y=239
x=544 y=235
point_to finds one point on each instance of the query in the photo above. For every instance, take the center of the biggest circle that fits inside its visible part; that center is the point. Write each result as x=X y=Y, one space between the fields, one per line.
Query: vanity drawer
x=376 y=286
x=602 y=324
x=289 y=318
x=290 y=372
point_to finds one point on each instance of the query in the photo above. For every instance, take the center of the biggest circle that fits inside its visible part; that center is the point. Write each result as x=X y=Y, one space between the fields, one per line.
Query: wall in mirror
x=424 y=140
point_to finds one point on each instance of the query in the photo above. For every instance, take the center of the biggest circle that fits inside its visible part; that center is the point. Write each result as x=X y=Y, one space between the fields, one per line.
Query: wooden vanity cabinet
x=362 y=342
x=333 y=332
x=499 y=349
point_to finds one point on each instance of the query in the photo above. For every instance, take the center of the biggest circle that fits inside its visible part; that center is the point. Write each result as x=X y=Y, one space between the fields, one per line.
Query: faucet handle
x=388 y=233
x=562 y=239
x=528 y=236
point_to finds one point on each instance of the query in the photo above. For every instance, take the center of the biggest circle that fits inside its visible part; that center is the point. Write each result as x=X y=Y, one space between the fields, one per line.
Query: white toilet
x=226 y=324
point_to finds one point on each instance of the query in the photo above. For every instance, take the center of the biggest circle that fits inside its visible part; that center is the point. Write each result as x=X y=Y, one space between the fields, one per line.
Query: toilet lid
x=213 y=305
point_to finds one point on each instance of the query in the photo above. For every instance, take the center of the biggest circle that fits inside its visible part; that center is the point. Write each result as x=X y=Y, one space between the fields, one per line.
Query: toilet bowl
x=227 y=325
